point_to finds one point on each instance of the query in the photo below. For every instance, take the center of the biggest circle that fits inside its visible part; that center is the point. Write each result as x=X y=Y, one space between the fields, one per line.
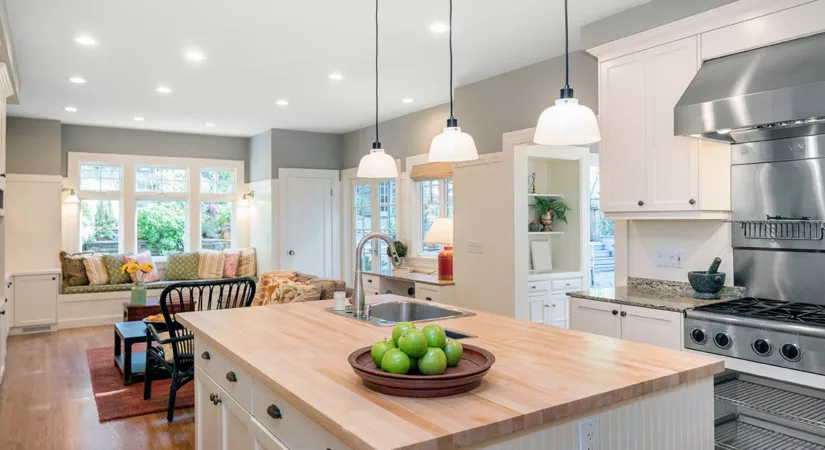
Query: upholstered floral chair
x=288 y=286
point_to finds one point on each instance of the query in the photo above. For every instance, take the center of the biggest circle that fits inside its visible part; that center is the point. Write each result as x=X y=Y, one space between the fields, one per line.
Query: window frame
x=218 y=169
x=418 y=217
x=414 y=217
x=81 y=193
x=186 y=182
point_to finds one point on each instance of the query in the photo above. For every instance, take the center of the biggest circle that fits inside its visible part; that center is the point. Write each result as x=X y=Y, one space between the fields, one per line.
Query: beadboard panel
x=652 y=422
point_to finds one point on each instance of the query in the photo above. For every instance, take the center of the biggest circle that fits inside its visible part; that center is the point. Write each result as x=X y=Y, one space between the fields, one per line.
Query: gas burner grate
x=735 y=435
x=742 y=306
x=770 y=400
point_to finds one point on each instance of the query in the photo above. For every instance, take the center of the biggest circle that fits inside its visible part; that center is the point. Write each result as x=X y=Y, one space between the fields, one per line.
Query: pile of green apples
x=427 y=351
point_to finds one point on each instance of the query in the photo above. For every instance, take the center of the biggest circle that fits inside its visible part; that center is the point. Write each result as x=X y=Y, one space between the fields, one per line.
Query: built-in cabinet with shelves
x=645 y=325
x=547 y=298
x=646 y=171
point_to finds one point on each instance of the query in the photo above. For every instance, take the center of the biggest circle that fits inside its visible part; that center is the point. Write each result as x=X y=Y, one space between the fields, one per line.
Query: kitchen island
x=277 y=377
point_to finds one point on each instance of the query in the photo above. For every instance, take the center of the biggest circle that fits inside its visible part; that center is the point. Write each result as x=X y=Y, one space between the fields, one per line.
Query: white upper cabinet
x=646 y=171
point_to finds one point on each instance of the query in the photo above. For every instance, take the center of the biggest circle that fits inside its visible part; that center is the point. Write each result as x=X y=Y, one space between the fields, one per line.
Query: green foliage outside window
x=161 y=226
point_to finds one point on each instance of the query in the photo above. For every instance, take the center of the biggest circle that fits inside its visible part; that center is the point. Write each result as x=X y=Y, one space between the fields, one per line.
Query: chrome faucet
x=358 y=299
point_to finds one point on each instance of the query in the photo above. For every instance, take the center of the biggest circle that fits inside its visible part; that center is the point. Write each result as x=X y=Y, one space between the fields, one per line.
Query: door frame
x=334 y=177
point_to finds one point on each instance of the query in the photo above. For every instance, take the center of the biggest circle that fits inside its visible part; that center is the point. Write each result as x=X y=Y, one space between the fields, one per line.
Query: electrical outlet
x=670 y=258
x=588 y=433
x=678 y=259
x=476 y=247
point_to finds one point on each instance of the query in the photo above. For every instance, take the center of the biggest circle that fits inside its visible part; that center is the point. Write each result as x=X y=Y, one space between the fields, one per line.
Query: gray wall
x=33 y=146
x=643 y=17
x=485 y=109
x=260 y=156
x=305 y=150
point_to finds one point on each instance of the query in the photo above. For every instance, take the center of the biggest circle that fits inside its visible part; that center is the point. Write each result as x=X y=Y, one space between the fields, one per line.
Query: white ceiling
x=259 y=51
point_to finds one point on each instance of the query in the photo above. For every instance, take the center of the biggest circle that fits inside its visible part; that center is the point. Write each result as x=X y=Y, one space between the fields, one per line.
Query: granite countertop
x=412 y=277
x=657 y=294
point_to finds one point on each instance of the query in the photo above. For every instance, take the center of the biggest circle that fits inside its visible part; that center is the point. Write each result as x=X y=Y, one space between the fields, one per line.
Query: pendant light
x=567 y=122
x=452 y=144
x=377 y=163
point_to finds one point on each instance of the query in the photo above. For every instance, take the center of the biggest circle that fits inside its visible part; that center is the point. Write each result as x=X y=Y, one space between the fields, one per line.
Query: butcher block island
x=277 y=377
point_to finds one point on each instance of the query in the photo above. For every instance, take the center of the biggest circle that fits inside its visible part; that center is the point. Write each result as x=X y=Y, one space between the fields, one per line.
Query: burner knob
x=722 y=340
x=791 y=352
x=699 y=336
x=762 y=347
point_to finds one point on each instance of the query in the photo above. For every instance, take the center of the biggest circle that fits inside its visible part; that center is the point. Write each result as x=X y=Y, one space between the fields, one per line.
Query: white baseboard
x=88 y=321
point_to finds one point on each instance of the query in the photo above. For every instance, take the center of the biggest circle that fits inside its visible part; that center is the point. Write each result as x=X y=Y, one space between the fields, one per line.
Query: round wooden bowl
x=464 y=377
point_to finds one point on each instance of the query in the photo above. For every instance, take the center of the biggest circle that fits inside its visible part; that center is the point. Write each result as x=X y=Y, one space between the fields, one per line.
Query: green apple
x=454 y=351
x=436 y=337
x=395 y=361
x=379 y=349
x=399 y=329
x=413 y=343
x=434 y=362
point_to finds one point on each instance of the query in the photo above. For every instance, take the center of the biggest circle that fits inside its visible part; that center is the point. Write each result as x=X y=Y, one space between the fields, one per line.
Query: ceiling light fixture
x=336 y=76
x=70 y=109
x=567 y=122
x=87 y=41
x=78 y=80
x=164 y=90
x=407 y=100
x=452 y=144
x=439 y=27
x=282 y=102
x=195 y=55
x=139 y=119
x=377 y=163
x=210 y=124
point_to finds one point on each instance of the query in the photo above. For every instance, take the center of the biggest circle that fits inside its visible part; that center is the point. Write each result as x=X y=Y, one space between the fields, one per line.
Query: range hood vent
x=773 y=92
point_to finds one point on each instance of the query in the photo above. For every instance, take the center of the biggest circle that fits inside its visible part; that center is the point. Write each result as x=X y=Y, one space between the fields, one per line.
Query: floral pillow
x=141 y=258
x=230 y=263
x=299 y=293
x=268 y=287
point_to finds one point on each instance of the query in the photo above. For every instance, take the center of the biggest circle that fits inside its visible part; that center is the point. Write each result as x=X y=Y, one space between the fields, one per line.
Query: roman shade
x=432 y=171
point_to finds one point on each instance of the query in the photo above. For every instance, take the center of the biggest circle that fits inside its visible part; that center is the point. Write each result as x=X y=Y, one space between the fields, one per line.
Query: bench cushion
x=116 y=287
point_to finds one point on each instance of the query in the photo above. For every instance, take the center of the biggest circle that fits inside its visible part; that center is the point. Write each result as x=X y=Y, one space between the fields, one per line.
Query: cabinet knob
x=546 y=306
x=206 y=356
x=54 y=278
x=292 y=253
x=624 y=313
x=641 y=203
x=429 y=298
x=274 y=412
x=211 y=397
x=216 y=400
x=615 y=312
x=3 y=312
x=369 y=281
x=231 y=377
x=692 y=201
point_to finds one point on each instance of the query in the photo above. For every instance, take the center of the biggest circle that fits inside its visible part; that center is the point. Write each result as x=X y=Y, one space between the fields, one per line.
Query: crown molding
x=6 y=85
x=691 y=26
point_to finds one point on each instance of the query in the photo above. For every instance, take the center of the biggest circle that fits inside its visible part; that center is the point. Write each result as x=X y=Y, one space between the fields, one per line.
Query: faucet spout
x=358 y=298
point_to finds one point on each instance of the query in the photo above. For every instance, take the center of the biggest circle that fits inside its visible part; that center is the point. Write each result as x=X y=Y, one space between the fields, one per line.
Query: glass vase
x=138 y=295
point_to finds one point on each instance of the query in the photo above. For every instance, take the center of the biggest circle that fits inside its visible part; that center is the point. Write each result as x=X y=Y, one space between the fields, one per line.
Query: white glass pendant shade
x=567 y=123
x=453 y=145
x=377 y=164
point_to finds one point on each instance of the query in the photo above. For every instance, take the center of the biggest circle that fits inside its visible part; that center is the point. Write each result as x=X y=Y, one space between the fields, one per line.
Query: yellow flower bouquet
x=139 y=270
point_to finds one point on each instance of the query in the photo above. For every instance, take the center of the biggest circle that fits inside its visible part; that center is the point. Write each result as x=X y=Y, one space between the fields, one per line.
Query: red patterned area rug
x=116 y=401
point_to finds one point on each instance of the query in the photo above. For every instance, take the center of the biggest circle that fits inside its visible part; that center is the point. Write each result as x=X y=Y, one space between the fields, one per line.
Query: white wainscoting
x=680 y=418
x=263 y=217
x=33 y=222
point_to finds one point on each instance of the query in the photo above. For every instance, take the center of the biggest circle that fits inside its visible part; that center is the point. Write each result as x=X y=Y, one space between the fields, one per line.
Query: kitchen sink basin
x=390 y=313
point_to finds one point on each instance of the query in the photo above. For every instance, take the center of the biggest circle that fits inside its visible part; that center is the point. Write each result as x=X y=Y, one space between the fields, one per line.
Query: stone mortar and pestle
x=707 y=284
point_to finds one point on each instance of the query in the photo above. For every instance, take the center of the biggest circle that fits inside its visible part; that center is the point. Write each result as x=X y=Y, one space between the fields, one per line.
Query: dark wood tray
x=464 y=377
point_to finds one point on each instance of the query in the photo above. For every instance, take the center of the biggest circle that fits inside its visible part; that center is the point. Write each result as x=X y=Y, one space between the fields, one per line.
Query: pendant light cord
x=566 y=49
x=376 y=72
x=451 y=60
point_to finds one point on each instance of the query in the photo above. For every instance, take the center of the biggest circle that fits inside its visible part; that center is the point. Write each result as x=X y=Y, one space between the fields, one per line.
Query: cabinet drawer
x=429 y=293
x=224 y=371
x=567 y=285
x=537 y=286
x=371 y=283
x=288 y=424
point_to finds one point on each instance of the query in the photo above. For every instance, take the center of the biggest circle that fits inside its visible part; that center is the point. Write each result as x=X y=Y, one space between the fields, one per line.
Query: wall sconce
x=72 y=197
x=249 y=196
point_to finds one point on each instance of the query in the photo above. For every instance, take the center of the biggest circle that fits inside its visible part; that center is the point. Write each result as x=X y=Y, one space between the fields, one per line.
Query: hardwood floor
x=46 y=400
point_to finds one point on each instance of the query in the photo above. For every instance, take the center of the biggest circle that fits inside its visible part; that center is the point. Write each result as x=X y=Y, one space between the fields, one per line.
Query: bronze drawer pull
x=206 y=356
x=615 y=312
x=216 y=400
x=692 y=201
x=624 y=313
x=231 y=376
x=274 y=412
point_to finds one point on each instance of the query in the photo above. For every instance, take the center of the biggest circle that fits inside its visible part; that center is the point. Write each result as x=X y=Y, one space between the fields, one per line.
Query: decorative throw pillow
x=95 y=269
x=248 y=264
x=113 y=264
x=304 y=277
x=141 y=258
x=269 y=290
x=210 y=266
x=328 y=286
x=230 y=264
x=299 y=293
x=182 y=266
x=74 y=271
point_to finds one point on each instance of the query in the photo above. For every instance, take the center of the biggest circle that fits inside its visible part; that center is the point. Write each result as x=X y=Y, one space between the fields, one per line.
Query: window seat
x=120 y=287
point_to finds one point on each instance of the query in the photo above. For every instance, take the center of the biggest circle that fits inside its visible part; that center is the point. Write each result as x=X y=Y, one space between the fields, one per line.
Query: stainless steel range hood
x=773 y=92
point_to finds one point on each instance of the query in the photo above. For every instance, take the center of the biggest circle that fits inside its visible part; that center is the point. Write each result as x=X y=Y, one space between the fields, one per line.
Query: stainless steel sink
x=390 y=313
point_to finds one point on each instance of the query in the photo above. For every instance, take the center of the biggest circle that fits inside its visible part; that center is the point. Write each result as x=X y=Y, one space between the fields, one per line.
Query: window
x=217 y=181
x=375 y=209
x=160 y=179
x=216 y=225
x=363 y=221
x=99 y=178
x=99 y=225
x=161 y=226
x=436 y=201
x=387 y=222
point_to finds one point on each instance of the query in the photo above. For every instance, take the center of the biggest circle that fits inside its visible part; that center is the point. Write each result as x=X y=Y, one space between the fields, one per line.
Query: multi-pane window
x=387 y=222
x=99 y=225
x=363 y=220
x=160 y=179
x=217 y=181
x=216 y=225
x=375 y=209
x=99 y=178
x=436 y=201
x=161 y=226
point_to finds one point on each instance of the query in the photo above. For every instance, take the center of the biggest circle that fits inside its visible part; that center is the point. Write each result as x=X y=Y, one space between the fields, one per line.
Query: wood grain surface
x=541 y=375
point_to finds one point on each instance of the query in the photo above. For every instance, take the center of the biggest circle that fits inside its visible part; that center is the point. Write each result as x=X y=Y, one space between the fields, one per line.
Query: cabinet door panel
x=207 y=414
x=596 y=317
x=652 y=326
x=672 y=161
x=35 y=300
x=537 y=305
x=560 y=311
x=236 y=435
x=622 y=149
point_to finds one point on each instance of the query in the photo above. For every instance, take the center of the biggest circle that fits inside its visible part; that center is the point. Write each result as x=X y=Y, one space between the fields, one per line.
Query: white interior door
x=309 y=221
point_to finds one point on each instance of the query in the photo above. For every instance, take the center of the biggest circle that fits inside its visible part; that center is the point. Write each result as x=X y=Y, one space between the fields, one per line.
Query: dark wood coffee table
x=129 y=362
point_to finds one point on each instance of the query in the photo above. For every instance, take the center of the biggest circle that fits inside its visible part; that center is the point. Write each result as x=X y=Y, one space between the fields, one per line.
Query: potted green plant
x=549 y=208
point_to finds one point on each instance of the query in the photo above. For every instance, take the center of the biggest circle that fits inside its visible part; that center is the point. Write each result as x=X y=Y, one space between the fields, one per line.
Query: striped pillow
x=210 y=266
x=248 y=265
x=95 y=269
x=230 y=265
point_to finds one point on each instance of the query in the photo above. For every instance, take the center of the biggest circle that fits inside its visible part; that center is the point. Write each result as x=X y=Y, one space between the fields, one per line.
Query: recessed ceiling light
x=70 y=109
x=282 y=102
x=336 y=76
x=139 y=119
x=195 y=55
x=78 y=80
x=439 y=27
x=88 y=41
x=407 y=100
x=210 y=124
x=164 y=90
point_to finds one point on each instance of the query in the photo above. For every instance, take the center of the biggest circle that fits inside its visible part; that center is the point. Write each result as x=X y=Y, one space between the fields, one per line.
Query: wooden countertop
x=542 y=374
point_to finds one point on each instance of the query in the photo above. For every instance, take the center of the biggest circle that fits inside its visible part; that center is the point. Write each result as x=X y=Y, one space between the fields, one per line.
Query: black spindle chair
x=181 y=297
